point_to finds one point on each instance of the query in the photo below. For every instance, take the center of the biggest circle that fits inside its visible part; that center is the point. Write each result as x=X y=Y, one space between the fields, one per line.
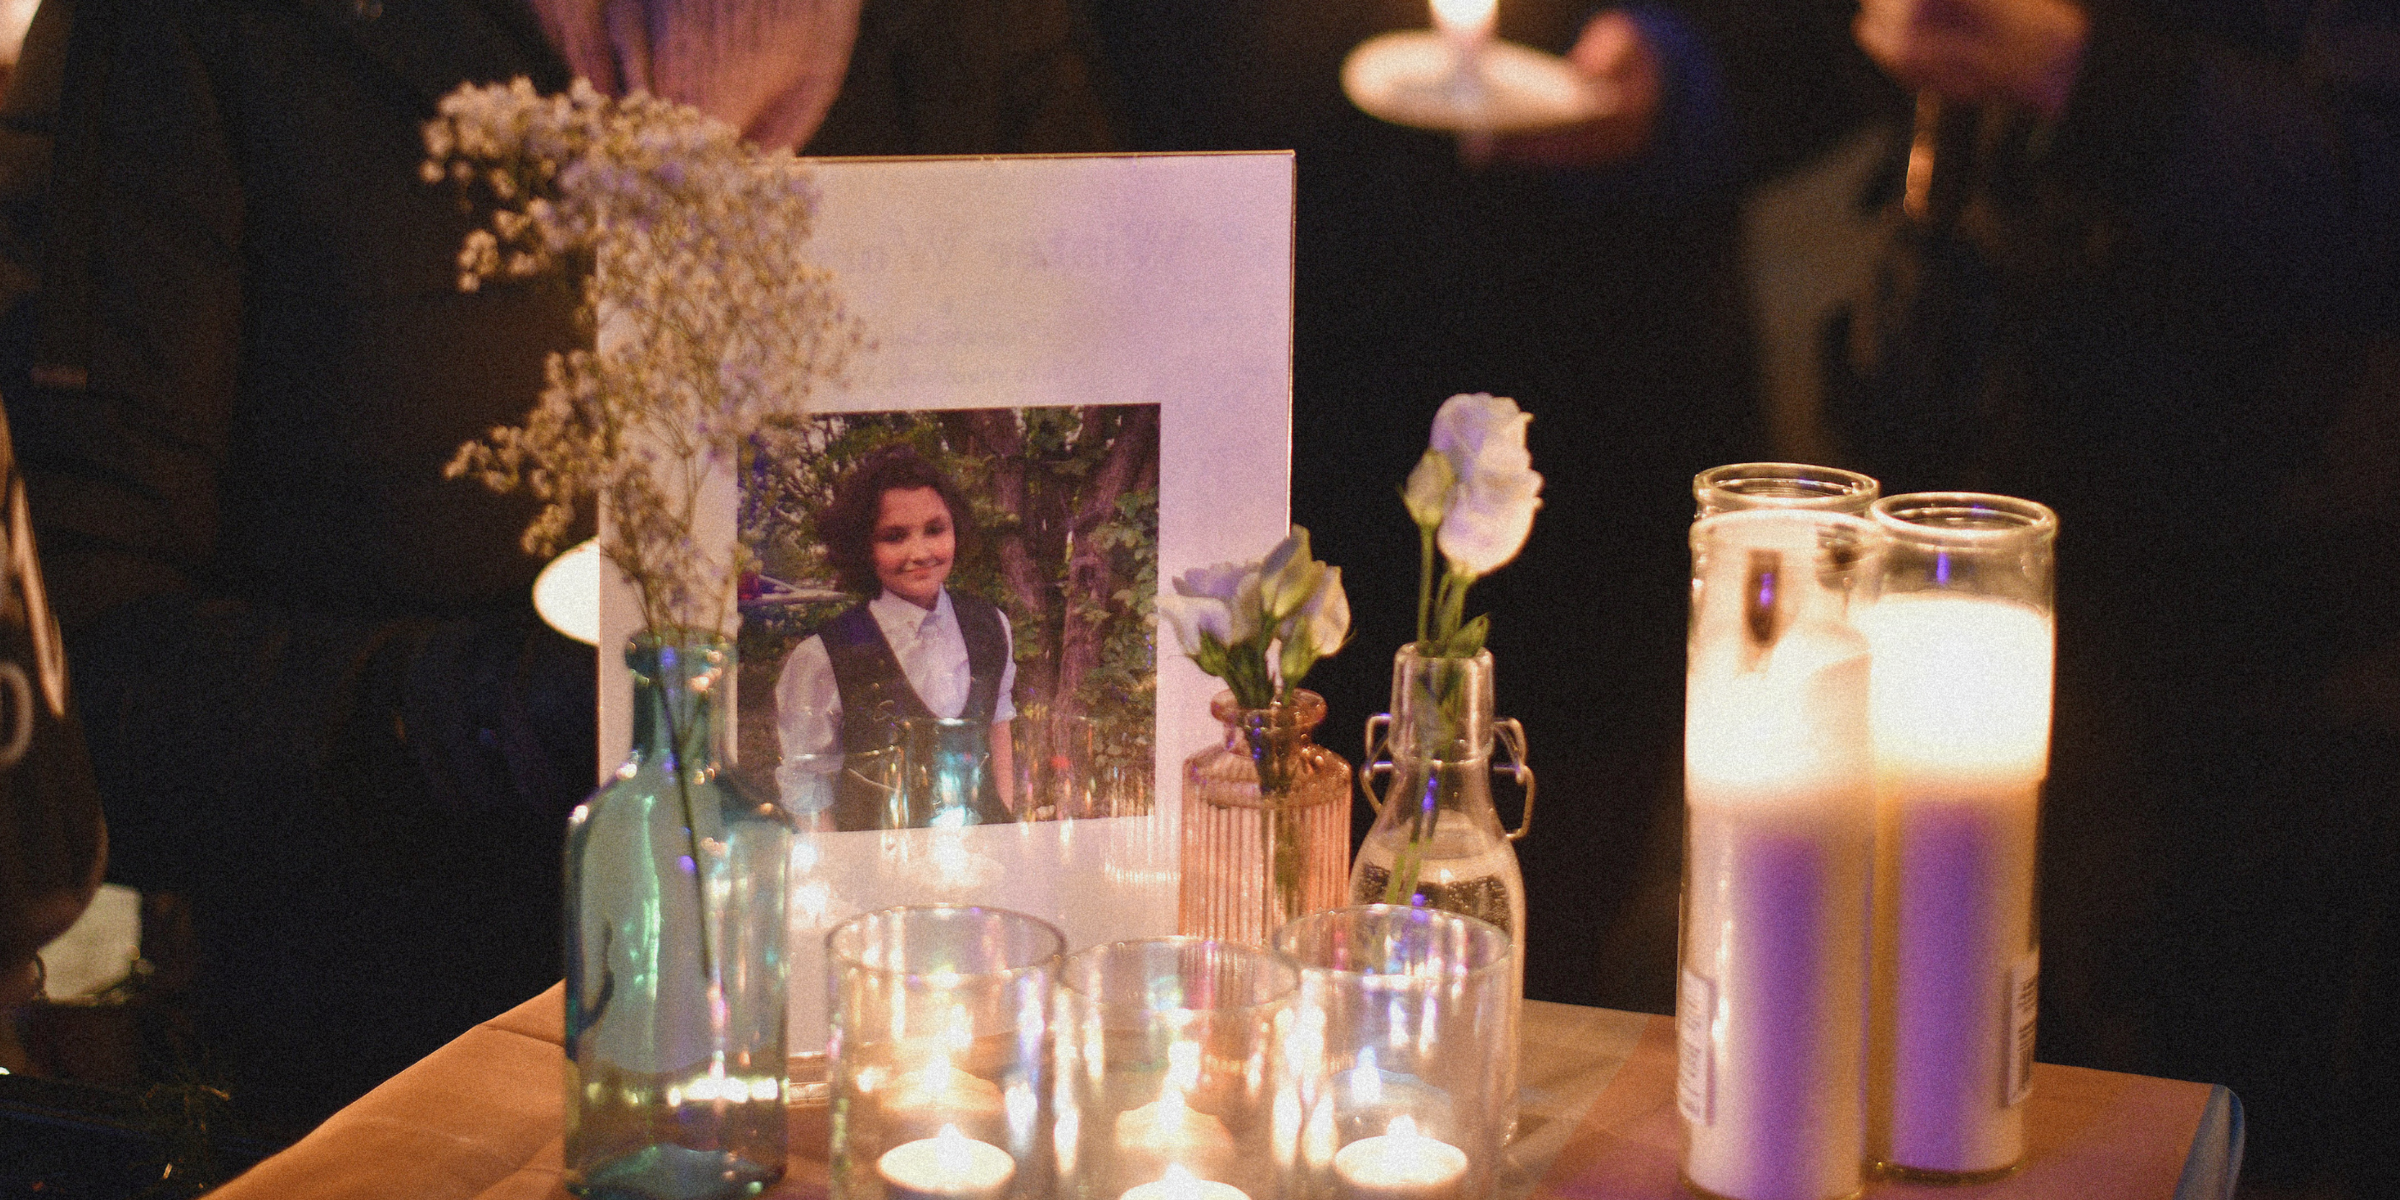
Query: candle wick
x=1762 y=599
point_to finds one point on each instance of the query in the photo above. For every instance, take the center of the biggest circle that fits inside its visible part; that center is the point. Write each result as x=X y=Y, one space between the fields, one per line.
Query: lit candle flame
x=1179 y=1184
x=1183 y=1065
x=1402 y=1126
x=952 y=1150
x=1472 y=18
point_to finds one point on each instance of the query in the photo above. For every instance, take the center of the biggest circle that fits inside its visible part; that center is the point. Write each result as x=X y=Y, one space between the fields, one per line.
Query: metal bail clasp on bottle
x=1437 y=840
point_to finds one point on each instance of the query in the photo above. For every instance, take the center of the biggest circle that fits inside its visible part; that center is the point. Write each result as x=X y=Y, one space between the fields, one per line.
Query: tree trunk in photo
x=1038 y=536
x=1091 y=580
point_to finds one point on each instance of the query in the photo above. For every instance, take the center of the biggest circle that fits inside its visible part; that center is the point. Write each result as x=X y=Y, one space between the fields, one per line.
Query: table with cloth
x=481 y=1119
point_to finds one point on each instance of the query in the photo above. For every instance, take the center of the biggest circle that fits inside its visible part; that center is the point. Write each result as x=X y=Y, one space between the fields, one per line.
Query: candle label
x=1695 y=1060
x=2024 y=991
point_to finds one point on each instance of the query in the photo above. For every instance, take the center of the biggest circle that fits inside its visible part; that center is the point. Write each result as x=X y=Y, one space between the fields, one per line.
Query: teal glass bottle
x=675 y=967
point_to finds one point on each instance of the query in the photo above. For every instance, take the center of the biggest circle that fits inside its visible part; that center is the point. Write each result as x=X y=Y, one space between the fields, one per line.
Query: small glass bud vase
x=1266 y=823
x=675 y=964
x=1437 y=840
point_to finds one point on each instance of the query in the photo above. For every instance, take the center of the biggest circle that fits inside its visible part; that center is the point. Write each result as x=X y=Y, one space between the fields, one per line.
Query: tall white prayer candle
x=1961 y=716
x=1779 y=849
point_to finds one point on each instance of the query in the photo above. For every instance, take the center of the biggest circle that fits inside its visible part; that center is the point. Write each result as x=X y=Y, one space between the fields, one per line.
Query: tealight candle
x=947 y=1166
x=1400 y=1164
x=1168 y=1130
x=1179 y=1184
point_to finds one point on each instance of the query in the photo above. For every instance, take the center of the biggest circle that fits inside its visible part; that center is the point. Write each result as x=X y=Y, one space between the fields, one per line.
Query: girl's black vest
x=904 y=764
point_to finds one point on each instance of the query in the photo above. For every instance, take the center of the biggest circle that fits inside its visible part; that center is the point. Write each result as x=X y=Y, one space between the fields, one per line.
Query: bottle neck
x=675 y=685
x=1441 y=707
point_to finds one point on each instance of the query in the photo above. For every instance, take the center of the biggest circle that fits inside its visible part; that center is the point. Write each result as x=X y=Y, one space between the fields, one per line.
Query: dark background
x=1610 y=305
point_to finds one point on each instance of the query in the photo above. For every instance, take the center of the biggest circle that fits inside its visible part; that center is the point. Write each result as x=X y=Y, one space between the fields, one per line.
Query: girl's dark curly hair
x=848 y=524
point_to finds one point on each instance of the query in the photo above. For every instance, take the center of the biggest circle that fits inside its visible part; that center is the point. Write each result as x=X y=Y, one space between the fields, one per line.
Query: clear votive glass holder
x=1963 y=648
x=940 y=1053
x=1738 y=487
x=1168 y=1069
x=1401 y=1072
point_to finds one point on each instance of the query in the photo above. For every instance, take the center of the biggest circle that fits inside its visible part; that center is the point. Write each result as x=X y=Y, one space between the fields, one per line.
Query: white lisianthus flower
x=1289 y=577
x=1318 y=627
x=1234 y=589
x=1193 y=616
x=1491 y=508
x=1326 y=616
x=1260 y=626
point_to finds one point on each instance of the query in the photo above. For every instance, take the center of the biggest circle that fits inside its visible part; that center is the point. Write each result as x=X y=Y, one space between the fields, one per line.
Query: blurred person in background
x=319 y=700
x=2142 y=264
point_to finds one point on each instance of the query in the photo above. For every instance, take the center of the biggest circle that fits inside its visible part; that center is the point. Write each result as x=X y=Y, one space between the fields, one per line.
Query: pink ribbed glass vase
x=1266 y=823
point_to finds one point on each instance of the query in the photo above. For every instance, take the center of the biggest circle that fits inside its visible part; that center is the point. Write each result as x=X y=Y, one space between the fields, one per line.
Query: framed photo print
x=1076 y=384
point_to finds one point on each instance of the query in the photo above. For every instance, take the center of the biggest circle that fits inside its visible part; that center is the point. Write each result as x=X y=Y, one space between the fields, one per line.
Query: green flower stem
x=1273 y=751
x=681 y=726
x=1425 y=536
x=1445 y=739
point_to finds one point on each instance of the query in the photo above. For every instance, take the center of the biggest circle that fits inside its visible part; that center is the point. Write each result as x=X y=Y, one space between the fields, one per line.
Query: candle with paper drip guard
x=947 y=1166
x=1400 y=1164
x=1963 y=651
x=1779 y=843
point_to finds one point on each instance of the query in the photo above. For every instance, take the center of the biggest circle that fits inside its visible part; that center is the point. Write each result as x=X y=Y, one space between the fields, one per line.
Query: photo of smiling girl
x=915 y=664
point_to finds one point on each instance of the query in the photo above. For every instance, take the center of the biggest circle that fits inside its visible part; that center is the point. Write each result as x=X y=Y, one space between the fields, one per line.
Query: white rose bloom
x=1491 y=509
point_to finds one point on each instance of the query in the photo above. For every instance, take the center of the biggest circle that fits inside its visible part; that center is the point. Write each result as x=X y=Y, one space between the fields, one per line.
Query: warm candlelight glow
x=1961 y=710
x=947 y=1166
x=1779 y=843
x=1464 y=18
x=939 y=1094
x=1179 y=1184
x=1403 y=1164
x=1169 y=1128
x=1962 y=688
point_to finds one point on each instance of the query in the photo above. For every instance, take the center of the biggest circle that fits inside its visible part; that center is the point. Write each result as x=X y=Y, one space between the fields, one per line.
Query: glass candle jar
x=1738 y=487
x=1779 y=830
x=939 y=1054
x=1402 y=1045
x=1963 y=655
x=1169 y=1066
